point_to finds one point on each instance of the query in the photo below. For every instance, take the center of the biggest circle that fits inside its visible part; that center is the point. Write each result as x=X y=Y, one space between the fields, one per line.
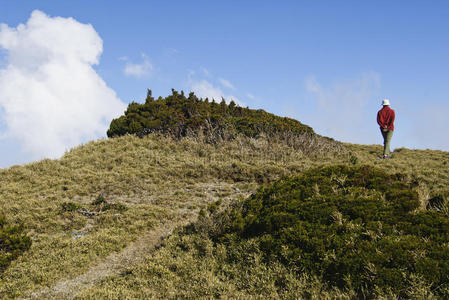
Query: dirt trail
x=111 y=265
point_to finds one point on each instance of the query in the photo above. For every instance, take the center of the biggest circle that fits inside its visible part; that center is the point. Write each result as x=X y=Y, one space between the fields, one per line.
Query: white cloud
x=51 y=98
x=138 y=70
x=346 y=110
x=250 y=96
x=226 y=83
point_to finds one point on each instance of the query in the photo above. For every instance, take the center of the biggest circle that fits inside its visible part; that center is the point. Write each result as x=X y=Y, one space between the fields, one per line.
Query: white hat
x=385 y=102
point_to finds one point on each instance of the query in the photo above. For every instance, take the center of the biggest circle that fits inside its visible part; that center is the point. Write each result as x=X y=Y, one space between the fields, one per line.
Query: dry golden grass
x=158 y=180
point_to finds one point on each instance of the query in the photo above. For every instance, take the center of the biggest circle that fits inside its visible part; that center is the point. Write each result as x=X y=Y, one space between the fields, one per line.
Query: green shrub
x=69 y=206
x=357 y=228
x=13 y=242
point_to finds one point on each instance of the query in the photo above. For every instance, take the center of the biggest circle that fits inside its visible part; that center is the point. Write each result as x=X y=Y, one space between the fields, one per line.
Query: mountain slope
x=143 y=181
x=197 y=262
x=103 y=197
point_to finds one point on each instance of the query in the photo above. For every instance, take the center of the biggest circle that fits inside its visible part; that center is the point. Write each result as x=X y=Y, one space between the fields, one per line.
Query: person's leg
x=384 y=135
x=387 y=139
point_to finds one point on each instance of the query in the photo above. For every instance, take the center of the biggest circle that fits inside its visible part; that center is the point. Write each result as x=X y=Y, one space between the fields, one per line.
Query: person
x=385 y=119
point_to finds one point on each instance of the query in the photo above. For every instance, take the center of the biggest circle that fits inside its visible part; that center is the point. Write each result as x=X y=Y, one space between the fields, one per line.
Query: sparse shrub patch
x=101 y=204
x=99 y=200
x=13 y=243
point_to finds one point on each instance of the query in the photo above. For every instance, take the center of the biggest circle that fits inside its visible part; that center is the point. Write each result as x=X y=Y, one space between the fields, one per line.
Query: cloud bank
x=51 y=98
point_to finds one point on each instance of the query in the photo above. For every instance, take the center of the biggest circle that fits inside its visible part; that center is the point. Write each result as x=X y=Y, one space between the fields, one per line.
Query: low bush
x=356 y=228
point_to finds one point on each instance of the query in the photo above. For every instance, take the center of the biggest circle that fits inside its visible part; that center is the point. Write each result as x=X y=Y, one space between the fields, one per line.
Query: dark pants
x=387 y=139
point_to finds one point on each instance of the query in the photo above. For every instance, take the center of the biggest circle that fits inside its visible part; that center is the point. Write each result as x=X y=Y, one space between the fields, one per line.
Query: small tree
x=149 y=97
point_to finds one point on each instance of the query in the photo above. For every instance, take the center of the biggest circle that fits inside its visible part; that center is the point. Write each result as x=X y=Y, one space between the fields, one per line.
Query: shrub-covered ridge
x=356 y=228
x=181 y=116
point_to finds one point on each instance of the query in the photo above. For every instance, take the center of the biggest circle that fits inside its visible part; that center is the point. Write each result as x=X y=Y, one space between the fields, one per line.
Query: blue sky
x=328 y=64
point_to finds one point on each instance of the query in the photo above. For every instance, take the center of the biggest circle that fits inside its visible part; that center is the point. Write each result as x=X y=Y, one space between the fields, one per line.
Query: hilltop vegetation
x=313 y=218
x=181 y=116
x=184 y=116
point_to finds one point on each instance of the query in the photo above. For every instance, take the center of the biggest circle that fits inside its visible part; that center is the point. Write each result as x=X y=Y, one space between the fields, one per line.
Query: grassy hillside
x=207 y=260
x=94 y=210
x=149 y=180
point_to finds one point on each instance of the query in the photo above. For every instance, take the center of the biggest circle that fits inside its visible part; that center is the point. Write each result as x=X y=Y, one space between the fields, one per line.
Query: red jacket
x=385 y=118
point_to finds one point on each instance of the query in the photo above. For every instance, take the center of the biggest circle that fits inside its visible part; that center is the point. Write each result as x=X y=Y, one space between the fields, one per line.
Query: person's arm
x=390 y=119
x=379 y=119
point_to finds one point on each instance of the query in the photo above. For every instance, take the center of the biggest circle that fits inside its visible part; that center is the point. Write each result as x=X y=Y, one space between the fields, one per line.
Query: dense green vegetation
x=13 y=242
x=356 y=228
x=179 y=115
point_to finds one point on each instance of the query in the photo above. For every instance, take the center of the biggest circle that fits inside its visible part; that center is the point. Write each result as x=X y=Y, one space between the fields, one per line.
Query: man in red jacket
x=385 y=119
